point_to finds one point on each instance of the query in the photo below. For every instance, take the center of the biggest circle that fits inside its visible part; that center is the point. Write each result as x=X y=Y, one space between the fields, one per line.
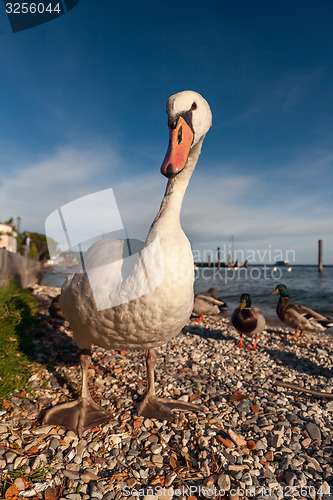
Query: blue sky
x=83 y=109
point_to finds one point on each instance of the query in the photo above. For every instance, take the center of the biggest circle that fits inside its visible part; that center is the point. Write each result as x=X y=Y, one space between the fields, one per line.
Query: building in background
x=8 y=237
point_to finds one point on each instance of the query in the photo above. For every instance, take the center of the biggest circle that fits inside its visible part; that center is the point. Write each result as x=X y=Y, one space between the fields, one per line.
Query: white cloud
x=256 y=210
x=34 y=191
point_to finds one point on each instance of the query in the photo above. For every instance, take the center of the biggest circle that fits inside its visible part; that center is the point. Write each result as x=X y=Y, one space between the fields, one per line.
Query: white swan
x=157 y=316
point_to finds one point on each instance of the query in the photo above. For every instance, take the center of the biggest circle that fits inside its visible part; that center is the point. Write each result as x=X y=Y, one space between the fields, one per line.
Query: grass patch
x=18 y=309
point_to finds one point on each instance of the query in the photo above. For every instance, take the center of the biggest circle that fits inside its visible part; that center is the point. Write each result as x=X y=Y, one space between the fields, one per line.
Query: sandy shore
x=258 y=440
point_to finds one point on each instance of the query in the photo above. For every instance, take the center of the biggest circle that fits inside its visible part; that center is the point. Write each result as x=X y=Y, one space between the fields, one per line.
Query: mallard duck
x=144 y=322
x=223 y=306
x=248 y=320
x=208 y=304
x=299 y=317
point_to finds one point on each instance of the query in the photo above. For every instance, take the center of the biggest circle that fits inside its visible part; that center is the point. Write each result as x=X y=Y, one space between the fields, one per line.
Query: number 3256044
x=31 y=8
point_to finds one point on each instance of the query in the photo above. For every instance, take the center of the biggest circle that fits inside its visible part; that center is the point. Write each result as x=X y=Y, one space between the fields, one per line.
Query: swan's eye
x=180 y=135
x=194 y=106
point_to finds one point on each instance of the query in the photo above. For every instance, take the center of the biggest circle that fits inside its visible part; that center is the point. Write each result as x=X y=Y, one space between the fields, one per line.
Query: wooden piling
x=209 y=260
x=218 y=258
x=320 y=255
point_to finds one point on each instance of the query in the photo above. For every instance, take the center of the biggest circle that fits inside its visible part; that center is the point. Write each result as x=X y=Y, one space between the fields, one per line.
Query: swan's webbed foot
x=77 y=416
x=163 y=409
x=82 y=414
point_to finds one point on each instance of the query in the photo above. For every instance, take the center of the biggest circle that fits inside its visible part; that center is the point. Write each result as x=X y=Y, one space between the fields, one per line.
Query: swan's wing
x=117 y=275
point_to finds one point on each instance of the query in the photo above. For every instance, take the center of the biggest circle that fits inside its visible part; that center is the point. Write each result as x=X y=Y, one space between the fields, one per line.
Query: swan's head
x=189 y=119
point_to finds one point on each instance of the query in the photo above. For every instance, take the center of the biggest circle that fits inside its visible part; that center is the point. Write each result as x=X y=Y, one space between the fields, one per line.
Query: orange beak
x=180 y=143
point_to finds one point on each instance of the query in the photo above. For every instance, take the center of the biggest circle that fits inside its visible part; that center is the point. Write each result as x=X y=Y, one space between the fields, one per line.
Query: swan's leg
x=197 y=320
x=82 y=414
x=255 y=343
x=240 y=342
x=154 y=407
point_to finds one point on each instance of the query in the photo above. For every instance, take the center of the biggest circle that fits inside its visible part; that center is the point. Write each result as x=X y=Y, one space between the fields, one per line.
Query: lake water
x=305 y=284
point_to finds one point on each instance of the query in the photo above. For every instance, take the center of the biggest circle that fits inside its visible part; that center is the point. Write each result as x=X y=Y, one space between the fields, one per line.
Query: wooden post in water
x=218 y=258
x=320 y=255
x=209 y=260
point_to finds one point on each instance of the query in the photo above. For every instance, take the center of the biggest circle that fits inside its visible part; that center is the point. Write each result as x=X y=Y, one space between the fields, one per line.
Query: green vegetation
x=38 y=248
x=18 y=310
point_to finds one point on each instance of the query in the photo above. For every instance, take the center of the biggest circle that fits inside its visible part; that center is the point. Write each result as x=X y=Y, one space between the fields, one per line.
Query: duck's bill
x=181 y=138
x=275 y=292
x=243 y=304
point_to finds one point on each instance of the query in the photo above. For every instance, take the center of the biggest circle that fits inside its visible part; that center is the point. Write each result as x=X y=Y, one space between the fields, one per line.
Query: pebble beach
x=258 y=439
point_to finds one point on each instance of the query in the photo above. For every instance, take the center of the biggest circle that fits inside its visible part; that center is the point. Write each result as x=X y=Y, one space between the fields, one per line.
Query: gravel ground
x=258 y=440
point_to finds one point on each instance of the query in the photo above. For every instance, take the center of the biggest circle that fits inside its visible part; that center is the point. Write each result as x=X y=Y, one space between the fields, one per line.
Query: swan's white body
x=154 y=318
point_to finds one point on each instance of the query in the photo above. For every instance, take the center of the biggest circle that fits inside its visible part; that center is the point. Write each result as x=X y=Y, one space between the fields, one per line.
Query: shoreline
x=255 y=436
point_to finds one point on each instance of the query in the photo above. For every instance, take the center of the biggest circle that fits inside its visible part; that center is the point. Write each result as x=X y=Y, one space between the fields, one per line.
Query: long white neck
x=169 y=212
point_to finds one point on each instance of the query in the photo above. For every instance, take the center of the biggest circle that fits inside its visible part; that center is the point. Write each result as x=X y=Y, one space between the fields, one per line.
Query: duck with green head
x=299 y=317
x=248 y=320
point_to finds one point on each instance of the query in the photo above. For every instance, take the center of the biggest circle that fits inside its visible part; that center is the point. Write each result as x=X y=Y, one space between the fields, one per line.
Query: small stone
x=202 y=442
x=210 y=480
x=326 y=490
x=237 y=468
x=277 y=439
x=306 y=442
x=20 y=461
x=224 y=482
x=295 y=446
x=131 y=482
x=269 y=456
x=233 y=495
x=156 y=448
x=157 y=460
x=87 y=476
x=20 y=483
x=247 y=479
x=153 y=438
x=236 y=438
x=225 y=442
x=169 y=479
x=108 y=496
x=54 y=443
x=290 y=477
x=45 y=429
x=315 y=464
x=251 y=444
x=260 y=445
x=314 y=431
x=71 y=474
